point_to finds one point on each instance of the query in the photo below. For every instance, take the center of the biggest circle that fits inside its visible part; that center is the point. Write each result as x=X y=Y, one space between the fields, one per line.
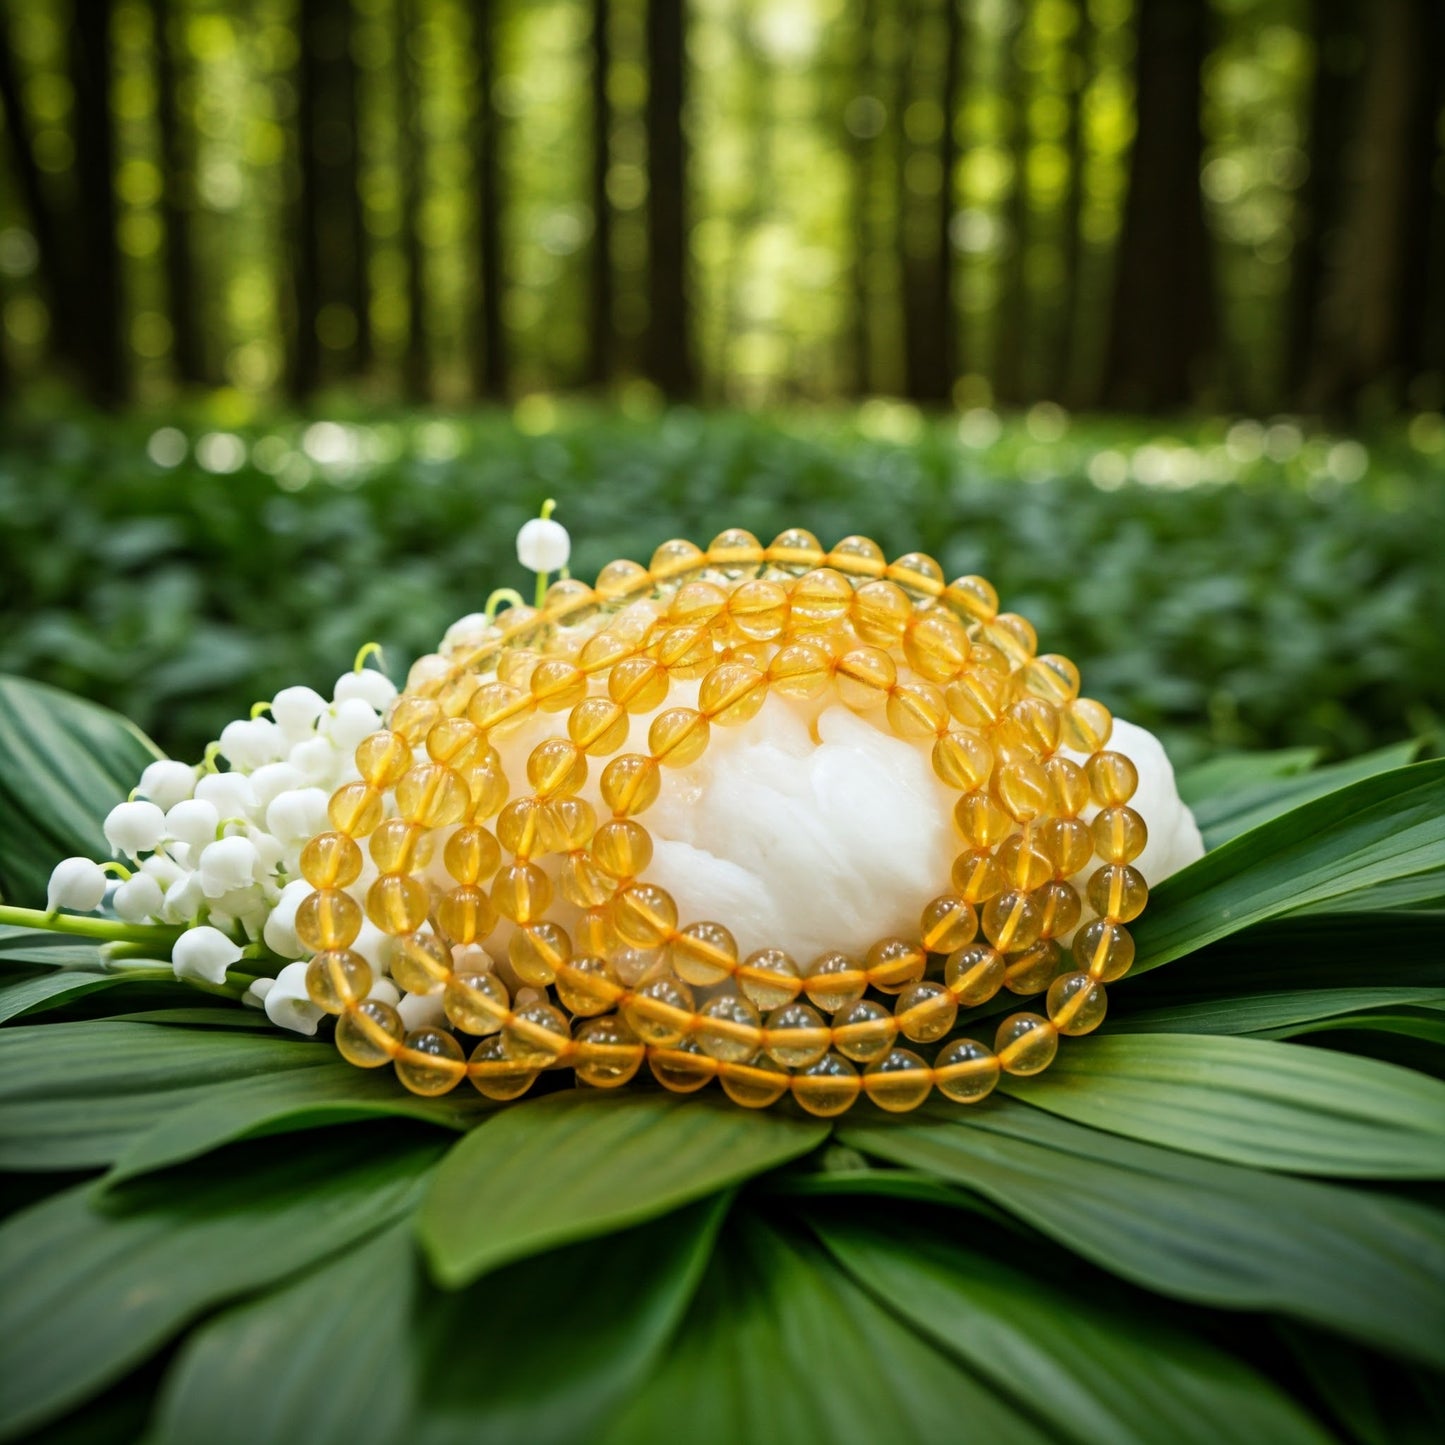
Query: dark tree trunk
x=1162 y=333
x=177 y=168
x=490 y=368
x=305 y=359
x=945 y=321
x=1080 y=70
x=669 y=343
x=1013 y=307
x=416 y=363
x=861 y=149
x=601 y=347
x=53 y=269
x=98 y=286
x=1422 y=296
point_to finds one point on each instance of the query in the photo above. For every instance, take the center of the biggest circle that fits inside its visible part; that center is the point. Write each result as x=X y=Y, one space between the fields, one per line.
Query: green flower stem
x=105 y=930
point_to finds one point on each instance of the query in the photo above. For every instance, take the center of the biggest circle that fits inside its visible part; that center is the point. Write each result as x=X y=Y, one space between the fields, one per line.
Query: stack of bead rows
x=624 y=982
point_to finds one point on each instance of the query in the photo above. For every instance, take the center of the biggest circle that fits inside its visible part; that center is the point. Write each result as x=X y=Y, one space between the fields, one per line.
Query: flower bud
x=315 y=760
x=351 y=721
x=138 y=899
x=279 y=933
x=228 y=793
x=76 y=883
x=134 y=828
x=205 y=954
x=374 y=688
x=166 y=782
x=193 y=821
x=226 y=864
x=184 y=899
x=271 y=780
x=297 y=816
x=296 y=710
x=543 y=545
x=251 y=743
x=287 y=1003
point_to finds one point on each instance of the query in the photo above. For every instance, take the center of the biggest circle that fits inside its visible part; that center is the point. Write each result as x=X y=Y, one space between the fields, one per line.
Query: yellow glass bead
x=587 y=984
x=1118 y=892
x=497 y=704
x=858 y=557
x=1023 y=861
x=382 y=758
x=936 y=646
x=795 y=1036
x=622 y=848
x=412 y=718
x=516 y=666
x=795 y=550
x=337 y=978
x=947 y=924
x=608 y=1054
x=981 y=821
x=833 y=981
x=683 y=1069
x=801 y=670
x=676 y=559
x=1060 y=908
x=396 y=903
x=605 y=649
x=567 y=824
x=1076 y=1004
x=917 y=574
x=476 y=1003
x=1104 y=950
x=369 y=1033
x=419 y=962
x=1032 y=725
x=355 y=809
x=977 y=876
x=1069 y=844
x=459 y=744
x=536 y=1034
x=685 y=651
x=594 y=932
x=432 y=796
x=1113 y=778
x=1023 y=790
x=965 y=1071
x=864 y=1030
x=974 y=974
x=729 y=1029
x=1012 y=921
x=455 y=694
x=1120 y=834
x=962 y=760
x=598 y=726
x=537 y=951
x=644 y=914
x=570 y=600
x=328 y=919
x=758 y=609
x=732 y=693
x=466 y=914
x=972 y=597
x=978 y=698
x=1052 y=678
x=395 y=845
x=583 y=884
x=893 y=962
x=1012 y=635
x=1025 y=1044
x=755 y=1085
x=660 y=1011
x=865 y=676
x=521 y=892
x=925 y=1011
x=819 y=600
x=471 y=855
x=697 y=604
x=735 y=551
x=331 y=860
x=898 y=1082
x=1070 y=784
x=678 y=736
x=519 y=827
x=917 y=710
x=1032 y=969
x=630 y=784
x=622 y=579
x=880 y=613
x=431 y=1062
x=770 y=978
x=828 y=1087
x=1086 y=725
x=557 y=768
x=496 y=1075
x=704 y=954
x=557 y=685
x=487 y=789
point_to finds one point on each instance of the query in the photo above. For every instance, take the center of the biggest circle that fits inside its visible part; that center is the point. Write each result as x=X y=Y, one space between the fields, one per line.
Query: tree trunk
x=490 y=369
x=1012 y=311
x=1162 y=330
x=669 y=343
x=945 y=321
x=1080 y=67
x=861 y=151
x=305 y=360
x=98 y=287
x=416 y=363
x=1422 y=296
x=601 y=347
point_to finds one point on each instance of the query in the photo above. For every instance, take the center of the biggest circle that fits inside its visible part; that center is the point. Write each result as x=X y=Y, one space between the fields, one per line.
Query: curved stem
x=103 y=930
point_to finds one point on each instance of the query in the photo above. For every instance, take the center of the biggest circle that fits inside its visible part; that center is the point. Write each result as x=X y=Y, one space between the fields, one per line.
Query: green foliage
x=1277 y=606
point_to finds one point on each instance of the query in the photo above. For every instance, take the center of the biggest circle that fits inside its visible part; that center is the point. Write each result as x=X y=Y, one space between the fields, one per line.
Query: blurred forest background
x=1142 y=205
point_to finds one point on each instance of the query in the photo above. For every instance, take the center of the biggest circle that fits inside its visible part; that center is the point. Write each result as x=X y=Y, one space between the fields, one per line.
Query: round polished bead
x=1104 y=950
x=396 y=903
x=355 y=809
x=732 y=693
x=607 y=1054
x=471 y=855
x=795 y=550
x=639 y=684
x=978 y=698
x=796 y=1036
x=521 y=892
x=645 y=915
x=1070 y=785
x=800 y=670
x=557 y=685
x=494 y=1074
x=537 y=951
x=660 y=1011
x=754 y=1085
x=918 y=574
x=1023 y=790
x=331 y=860
x=1051 y=678
x=676 y=559
x=925 y=1011
x=1118 y=892
x=1060 y=907
x=598 y=726
x=459 y=743
x=977 y=876
x=430 y=1062
x=682 y=1069
x=729 y=1029
x=535 y=1034
x=1069 y=844
x=833 y=981
x=858 y=557
x=864 y=676
x=704 y=954
x=1023 y=860
x=735 y=550
x=1031 y=724
x=622 y=848
x=466 y=914
x=893 y=962
x=336 y=978
x=476 y=1003
x=1031 y=970
x=770 y=978
x=419 y=962
x=819 y=600
x=881 y=611
x=1086 y=725
x=396 y=845
x=432 y=795
x=685 y=652
x=487 y=789
x=917 y=710
x=974 y=974
x=412 y=719
x=947 y=924
x=758 y=609
x=500 y=707
x=587 y=984
x=630 y=784
x=622 y=578
x=678 y=736
x=962 y=760
x=1026 y=1044
x=1113 y=778
x=382 y=758
x=1120 y=834
x=327 y=919
x=965 y=1071
x=864 y=1030
x=981 y=821
x=1076 y=1003
x=898 y=1082
x=1012 y=635
x=557 y=768
x=1012 y=921
x=936 y=646
x=369 y=1033
x=827 y=1088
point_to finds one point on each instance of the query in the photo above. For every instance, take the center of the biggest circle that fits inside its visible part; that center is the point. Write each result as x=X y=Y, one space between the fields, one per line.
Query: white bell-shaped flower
x=138 y=899
x=543 y=545
x=76 y=883
x=135 y=828
x=296 y=710
x=205 y=954
x=374 y=688
x=193 y=821
x=226 y=864
x=166 y=782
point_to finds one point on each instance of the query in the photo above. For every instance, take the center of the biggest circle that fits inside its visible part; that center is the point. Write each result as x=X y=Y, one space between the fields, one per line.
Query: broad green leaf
x=1228 y=775
x=34 y=995
x=331 y=1093
x=64 y=764
x=1362 y=1263
x=576 y=1164
x=1250 y=1101
x=90 y=1292
x=1282 y=1014
x=782 y=1345
x=1385 y=829
x=29 y=947
x=1226 y=806
x=1091 y=1371
x=1427 y=1024
x=75 y=1095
